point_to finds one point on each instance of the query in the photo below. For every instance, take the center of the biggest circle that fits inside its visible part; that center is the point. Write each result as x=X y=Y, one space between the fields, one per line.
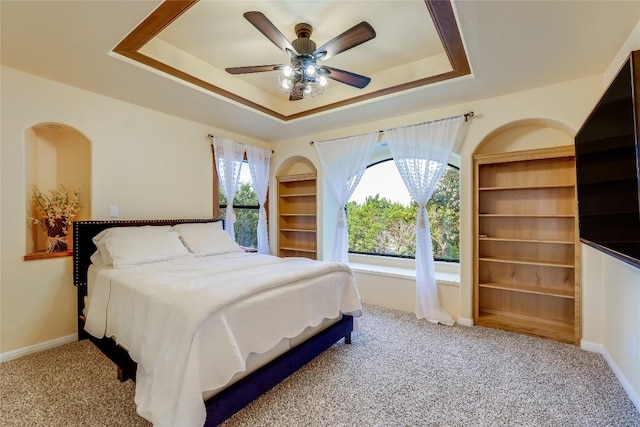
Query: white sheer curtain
x=229 y=155
x=421 y=153
x=258 y=160
x=343 y=163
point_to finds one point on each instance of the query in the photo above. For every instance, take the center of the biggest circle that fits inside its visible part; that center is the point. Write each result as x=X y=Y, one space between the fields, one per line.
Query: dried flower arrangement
x=57 y=209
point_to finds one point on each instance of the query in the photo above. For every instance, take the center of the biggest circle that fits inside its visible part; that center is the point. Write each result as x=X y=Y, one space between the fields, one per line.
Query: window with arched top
x=382 y=216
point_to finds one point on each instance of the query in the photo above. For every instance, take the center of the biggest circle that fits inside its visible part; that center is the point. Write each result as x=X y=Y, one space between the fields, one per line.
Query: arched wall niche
x=55 y=154
x=295 y=165
x=526 y=135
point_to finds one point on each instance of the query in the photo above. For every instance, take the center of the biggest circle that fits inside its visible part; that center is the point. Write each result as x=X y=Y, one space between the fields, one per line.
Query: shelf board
x=296 y=178
x=529 y=290
x=563 y=264
x=297 y=214
x=557 y=330
x=297 y=230
x=297 y=249
x=503 y=239
x=283 y=196
x=496 y=215
x=531 y=187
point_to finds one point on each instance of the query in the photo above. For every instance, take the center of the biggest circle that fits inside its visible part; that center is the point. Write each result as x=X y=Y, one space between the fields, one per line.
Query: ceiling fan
x=303 y=76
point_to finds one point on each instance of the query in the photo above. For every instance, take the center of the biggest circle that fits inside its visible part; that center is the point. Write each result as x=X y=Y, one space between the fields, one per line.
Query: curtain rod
x=467 y=116
x=211 y=136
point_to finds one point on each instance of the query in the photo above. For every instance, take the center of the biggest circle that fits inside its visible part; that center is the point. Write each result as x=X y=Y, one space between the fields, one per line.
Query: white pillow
x=101 y=255
x=97 y=259
x=129 y=246
x=207 y=238
x=129 y=231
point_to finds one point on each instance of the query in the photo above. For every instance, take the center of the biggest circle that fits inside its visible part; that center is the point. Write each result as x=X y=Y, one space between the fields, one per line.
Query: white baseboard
x=465 y=322
x=15 y=354
x=592 y=347
x=599 y=348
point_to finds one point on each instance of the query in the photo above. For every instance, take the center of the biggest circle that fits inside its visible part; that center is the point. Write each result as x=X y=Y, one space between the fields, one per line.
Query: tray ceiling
x=417 y=43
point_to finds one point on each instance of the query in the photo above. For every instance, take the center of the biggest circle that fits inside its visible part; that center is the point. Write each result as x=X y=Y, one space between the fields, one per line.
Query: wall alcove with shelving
x=526 y=248
x=297 y=208
x=56 y=155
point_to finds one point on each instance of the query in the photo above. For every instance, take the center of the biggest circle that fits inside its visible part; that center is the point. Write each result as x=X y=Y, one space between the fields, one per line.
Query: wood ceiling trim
x=441 y=13
x=160 y=18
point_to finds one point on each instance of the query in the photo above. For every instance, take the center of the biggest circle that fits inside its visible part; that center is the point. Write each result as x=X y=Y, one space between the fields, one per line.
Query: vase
x=56 y=235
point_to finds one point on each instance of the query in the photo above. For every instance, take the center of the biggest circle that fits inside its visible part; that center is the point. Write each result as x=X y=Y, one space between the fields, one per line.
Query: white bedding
x=191 y=323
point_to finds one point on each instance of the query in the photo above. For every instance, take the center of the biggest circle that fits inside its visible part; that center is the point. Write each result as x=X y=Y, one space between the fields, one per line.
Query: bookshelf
x=526 y=252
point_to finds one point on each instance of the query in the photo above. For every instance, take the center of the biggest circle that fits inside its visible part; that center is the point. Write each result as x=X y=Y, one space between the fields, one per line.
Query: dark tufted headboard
x=84 y=231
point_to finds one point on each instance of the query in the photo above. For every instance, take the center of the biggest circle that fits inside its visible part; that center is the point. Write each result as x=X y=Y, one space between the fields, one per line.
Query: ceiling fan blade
x=354 y=36
x=270 y=31
x=253 y=69
x=346 y=77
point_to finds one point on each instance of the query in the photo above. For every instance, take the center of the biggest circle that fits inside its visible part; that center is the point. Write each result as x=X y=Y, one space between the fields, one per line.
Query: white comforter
x=191 y=323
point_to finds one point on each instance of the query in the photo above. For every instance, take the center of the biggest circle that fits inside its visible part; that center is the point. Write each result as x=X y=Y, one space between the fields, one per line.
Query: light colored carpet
x=399 y=371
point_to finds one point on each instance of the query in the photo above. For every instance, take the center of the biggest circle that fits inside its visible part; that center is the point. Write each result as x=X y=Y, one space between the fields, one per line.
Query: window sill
x=451 y=279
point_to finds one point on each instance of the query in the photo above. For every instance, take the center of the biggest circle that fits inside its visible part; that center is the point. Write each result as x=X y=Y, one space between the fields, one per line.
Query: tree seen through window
x=246 y=208
x=382 y=216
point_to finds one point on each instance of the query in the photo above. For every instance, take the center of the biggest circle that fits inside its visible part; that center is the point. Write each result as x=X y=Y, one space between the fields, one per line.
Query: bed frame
x=233 y=398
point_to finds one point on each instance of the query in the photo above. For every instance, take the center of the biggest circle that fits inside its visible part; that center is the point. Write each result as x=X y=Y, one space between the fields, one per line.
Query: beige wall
x=511 y=122
x=149 y=164
x=154 y=165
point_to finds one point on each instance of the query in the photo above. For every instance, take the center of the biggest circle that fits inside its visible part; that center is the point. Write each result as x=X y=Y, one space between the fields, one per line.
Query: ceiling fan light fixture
x=286 y=85
x=303 y=77
x=311 y=70
x=287 y=71
x=304 y=74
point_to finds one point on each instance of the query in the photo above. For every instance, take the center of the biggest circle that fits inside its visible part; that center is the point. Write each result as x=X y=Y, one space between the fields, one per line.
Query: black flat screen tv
x=608 y=168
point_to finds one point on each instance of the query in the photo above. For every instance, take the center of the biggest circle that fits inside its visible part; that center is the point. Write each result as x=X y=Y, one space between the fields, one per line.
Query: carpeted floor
x=399 y=371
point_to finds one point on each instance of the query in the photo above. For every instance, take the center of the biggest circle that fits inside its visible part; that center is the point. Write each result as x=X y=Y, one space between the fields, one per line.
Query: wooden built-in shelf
x=533 y=187
x=294 y=249
x=297 y=210
x=531 y=215
x=530 y=325
x=284 y=196
x=529 y=289
x=503 y=239
x=526 y=252
x=563 y=264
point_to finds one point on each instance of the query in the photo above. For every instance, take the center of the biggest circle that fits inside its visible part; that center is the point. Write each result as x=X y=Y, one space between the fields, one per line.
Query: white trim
x=465 y=321
x=592 y=346
x=626 y=385
x=15 y=354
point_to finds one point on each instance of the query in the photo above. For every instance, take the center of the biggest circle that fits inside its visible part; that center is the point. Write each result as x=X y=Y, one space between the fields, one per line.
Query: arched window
x=382 y=216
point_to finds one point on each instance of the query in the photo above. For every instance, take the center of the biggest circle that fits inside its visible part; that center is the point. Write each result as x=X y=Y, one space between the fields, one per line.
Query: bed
x=185 y=318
